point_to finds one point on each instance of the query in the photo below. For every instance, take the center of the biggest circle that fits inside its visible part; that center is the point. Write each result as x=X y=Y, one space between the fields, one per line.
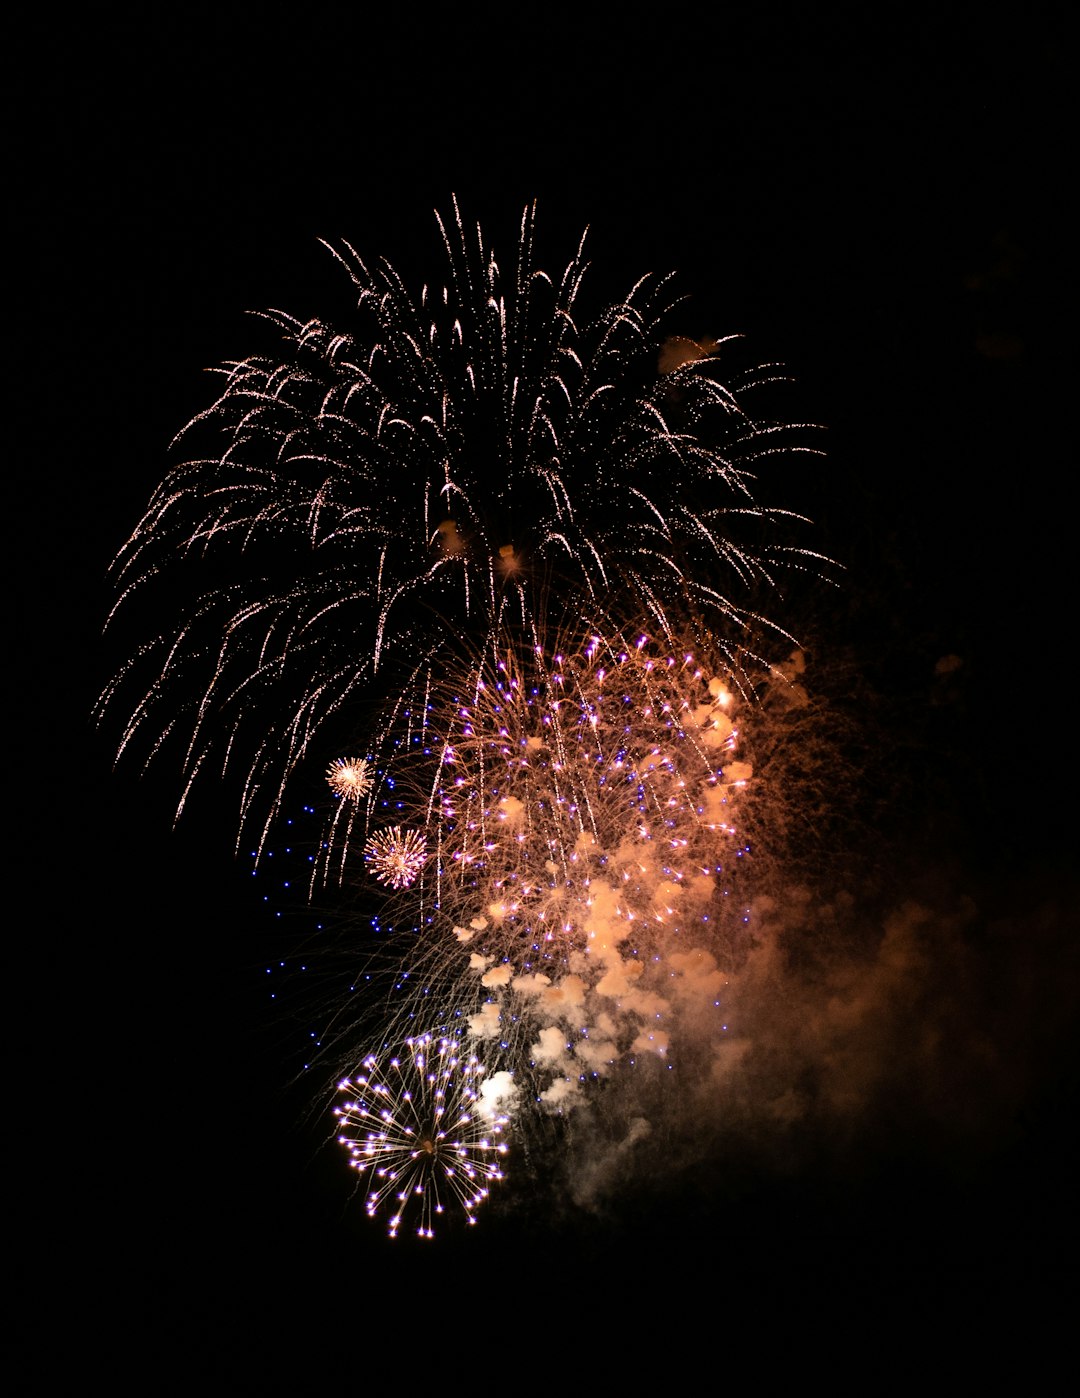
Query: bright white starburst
x=417 y=1126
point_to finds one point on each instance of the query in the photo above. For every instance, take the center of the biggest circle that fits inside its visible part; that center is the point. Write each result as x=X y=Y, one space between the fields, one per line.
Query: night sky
x=878 y=202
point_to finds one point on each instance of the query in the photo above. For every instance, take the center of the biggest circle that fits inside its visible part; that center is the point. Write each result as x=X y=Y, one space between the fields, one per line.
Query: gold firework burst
x=396 y=856
x=349 y=777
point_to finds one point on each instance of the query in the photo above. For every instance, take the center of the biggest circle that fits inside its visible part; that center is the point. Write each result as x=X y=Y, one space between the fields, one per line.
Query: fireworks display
x=608 y=763
x=522 y=540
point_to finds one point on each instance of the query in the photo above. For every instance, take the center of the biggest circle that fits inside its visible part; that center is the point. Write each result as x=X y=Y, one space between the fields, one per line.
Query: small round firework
x=396 y=856
x=419 y=1128
x=349 y=777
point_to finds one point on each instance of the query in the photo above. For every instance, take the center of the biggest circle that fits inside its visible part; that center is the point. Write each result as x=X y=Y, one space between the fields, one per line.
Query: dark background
x=875 y=198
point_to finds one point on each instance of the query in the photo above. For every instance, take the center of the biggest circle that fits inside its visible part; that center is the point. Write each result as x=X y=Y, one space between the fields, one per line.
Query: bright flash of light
x=602 y=766
x=418 y=1129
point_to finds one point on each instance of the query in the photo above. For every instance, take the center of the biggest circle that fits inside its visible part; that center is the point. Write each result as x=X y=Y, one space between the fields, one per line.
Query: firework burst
x=349 y=778
x=425 y=1128
x=581 y=809
x=475 y=460
x=611 y=762
x=396 y=856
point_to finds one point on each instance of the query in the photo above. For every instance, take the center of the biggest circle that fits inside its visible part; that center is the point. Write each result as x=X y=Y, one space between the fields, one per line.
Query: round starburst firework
x=396 y=856
x=424 y=1130
x=349 y=777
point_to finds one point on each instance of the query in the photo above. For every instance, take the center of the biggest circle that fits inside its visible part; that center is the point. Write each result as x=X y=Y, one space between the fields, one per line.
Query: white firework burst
x=421 y=1129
